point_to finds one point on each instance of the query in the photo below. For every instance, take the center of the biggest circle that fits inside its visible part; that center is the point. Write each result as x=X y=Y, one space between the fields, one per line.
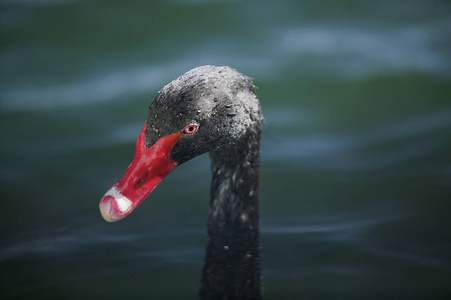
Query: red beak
x=148 y=168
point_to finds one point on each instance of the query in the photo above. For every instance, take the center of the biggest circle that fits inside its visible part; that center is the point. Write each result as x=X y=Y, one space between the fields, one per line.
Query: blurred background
x=356 y=155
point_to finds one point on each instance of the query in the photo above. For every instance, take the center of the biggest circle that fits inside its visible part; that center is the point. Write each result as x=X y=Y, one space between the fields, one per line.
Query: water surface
x=356 y=168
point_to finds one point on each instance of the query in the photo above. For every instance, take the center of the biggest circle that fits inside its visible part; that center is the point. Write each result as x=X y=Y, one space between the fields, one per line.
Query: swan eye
x=190 y=129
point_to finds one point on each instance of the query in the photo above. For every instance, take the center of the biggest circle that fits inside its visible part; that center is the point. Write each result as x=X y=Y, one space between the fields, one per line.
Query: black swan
x=208 y=109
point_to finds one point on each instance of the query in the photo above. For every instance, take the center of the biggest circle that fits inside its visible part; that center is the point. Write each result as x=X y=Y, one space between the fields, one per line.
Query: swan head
x=201 y=111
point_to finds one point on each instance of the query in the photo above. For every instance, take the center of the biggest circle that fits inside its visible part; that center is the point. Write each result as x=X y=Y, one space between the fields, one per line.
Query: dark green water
x=356 y=156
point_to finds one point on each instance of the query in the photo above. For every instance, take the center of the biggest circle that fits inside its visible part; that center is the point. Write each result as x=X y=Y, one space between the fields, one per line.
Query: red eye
x=190 y=129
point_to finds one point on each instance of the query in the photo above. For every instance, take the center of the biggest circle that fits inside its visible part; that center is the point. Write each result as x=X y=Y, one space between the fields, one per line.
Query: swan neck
x=232 y=265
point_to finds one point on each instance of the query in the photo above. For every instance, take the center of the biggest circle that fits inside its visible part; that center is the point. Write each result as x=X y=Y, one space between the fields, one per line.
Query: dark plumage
x=223 y=103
